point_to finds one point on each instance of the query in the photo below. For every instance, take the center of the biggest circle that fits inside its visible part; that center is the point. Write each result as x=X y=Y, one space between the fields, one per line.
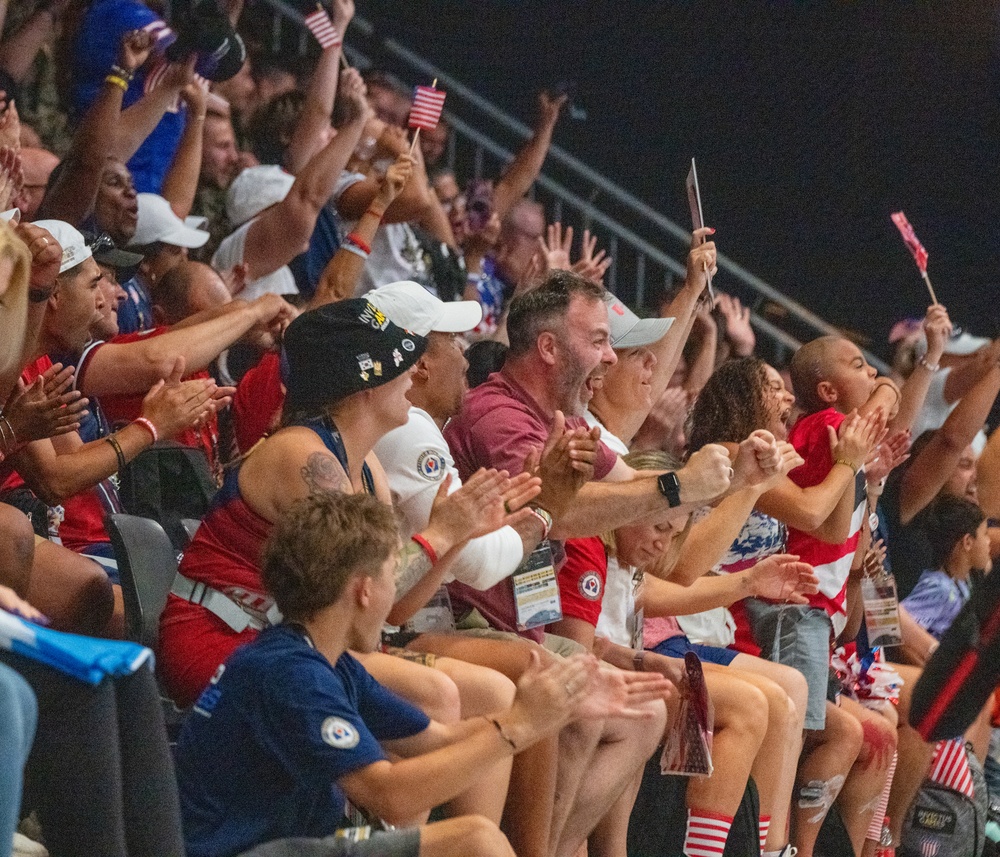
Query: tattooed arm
x=322 y=472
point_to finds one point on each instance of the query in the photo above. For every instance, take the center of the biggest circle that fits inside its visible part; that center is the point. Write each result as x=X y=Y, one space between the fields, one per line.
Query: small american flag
x=428 y=103
x=950 y=767
x=163 y=36
x=322 y=28
x=910 y=238
x=929 y=847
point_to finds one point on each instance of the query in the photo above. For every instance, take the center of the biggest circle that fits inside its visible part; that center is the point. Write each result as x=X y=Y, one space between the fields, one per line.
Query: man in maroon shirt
x=560 y=350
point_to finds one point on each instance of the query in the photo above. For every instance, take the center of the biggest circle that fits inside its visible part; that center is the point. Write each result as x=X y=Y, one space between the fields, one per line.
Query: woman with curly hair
x=845 y=756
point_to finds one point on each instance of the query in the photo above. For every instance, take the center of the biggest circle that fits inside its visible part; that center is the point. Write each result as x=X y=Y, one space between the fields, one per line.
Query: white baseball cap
x=158 y=223
x=74 y=247
x=630 y=331
x=255 y=189
x=411 y=306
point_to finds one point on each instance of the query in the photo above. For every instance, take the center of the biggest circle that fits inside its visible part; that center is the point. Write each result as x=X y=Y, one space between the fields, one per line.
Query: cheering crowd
x=481 y=540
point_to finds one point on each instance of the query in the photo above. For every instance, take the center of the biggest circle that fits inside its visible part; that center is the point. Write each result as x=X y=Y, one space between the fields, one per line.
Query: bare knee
x=18 y=549
x=878 y=742
x=748 y=716
x=482 y=836
x=74 y=592
x=443 y=701
x=842 y=730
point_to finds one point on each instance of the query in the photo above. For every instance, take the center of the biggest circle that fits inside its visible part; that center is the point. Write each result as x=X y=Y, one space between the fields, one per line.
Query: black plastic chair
x=190 y=527
x=147 y=563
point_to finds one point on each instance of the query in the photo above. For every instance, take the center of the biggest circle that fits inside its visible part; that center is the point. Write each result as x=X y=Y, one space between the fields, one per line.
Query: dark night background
x=811 y=122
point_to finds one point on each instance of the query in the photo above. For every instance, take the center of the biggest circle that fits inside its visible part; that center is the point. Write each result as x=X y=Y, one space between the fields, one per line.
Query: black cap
x=106 y=253
x=343 y=348
x=206 y=31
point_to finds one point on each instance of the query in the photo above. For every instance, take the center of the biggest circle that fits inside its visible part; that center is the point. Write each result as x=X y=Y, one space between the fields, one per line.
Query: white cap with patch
x=74 y=247
x=630 y=331
x=410 y=305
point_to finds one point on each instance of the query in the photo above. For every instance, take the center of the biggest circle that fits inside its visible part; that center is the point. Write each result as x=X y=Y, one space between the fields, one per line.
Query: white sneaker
x=24 y=847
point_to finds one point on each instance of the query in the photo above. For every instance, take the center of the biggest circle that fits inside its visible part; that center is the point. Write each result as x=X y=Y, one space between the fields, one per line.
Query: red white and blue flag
x=910 y=238
x=428 y=103
x=163 y=36
x=950 y=767
x=322 y=28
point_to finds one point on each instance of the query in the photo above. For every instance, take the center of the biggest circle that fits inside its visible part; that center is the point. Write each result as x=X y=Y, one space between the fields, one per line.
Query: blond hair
x=13 y=306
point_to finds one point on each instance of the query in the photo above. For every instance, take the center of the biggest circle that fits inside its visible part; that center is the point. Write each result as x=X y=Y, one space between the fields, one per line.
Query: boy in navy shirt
x=292 y=723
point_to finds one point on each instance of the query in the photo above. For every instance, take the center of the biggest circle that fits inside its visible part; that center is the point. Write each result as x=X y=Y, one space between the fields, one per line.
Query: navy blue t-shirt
x=259 y=757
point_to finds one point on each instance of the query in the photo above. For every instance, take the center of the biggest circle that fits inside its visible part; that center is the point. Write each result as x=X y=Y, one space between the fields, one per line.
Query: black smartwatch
x=670 y=487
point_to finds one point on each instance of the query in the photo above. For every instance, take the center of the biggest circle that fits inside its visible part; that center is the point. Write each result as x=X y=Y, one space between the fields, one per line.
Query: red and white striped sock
x=706 y=833
x=765 y=825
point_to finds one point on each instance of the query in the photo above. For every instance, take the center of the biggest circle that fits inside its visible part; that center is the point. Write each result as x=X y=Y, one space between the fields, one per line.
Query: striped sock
x=765 y=825
x=706 y=833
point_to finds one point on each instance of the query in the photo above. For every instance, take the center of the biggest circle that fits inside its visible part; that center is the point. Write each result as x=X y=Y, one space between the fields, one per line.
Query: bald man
x=38 y=165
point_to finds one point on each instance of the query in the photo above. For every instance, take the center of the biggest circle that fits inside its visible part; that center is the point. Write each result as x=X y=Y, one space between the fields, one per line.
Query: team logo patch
x=374 y=316
x=339 y=733
x=430 y=465
x=590 y=586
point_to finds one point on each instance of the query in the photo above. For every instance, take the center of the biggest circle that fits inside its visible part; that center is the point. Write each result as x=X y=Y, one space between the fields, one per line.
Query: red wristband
x=425 y=546
x=359 y=242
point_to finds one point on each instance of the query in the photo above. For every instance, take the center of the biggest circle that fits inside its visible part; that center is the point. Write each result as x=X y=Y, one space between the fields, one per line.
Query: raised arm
x=937 y=328
x=317 y=110
x=415 y=197
x=18 y=51
x=72 y=196
x=278 y=235
x=139 y=120
x=517 y=179
x=180 y=184
x=340 y=276
x=933 y=466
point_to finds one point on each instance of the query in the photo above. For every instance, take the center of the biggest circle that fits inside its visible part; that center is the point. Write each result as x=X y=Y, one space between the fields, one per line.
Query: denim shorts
x=677 y=647
x=798 y=636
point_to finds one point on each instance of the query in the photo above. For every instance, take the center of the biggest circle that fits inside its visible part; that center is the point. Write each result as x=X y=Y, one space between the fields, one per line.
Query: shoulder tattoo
x=322 y=472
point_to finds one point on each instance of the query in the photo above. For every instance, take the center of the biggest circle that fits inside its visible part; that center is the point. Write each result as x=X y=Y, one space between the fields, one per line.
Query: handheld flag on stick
x=697 y=216
x=322 y=28
x=425 y=113
x=916 y=248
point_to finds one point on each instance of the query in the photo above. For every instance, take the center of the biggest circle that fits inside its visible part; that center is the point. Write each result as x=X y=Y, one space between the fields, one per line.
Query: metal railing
x=633 y=232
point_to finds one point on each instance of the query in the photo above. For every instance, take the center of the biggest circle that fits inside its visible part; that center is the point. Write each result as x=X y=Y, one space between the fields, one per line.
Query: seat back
x=190 y=527
x=147 y=563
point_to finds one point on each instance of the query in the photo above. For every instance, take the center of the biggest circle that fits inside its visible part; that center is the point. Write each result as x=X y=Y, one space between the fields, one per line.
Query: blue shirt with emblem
x=259 y=756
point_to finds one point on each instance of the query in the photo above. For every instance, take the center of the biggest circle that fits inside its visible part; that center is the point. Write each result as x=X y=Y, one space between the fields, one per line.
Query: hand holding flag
x=425 y=113
x=916 y=248
x=322 y=28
